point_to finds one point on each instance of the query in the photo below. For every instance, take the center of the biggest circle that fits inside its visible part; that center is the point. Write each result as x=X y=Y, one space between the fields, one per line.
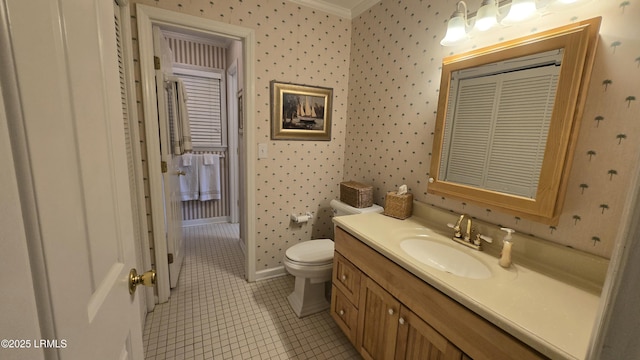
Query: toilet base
x=308 y=298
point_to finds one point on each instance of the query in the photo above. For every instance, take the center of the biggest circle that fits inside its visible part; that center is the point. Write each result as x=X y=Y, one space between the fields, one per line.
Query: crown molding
x=332 y=8
x=362 y=7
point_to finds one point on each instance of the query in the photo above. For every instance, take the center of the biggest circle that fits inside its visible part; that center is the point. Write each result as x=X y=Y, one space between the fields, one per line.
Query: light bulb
x=520 y=10
x=456 y=30
x=564 y=4
x=486 y=16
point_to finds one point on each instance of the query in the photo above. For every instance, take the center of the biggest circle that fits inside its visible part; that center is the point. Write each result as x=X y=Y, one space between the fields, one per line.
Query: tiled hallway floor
x=214 y=313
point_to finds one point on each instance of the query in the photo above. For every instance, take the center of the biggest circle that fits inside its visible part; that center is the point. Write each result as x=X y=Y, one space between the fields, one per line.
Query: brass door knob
x=181 y=173
x=146 y=279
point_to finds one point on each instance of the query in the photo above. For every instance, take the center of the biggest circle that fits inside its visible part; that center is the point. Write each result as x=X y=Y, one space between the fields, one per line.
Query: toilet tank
x=340 y=208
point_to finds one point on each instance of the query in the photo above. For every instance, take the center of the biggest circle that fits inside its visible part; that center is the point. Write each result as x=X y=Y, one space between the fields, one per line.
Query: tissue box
x=398 y=206
x=356 y=194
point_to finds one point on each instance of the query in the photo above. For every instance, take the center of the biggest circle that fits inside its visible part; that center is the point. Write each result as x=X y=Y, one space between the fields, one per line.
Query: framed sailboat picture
x=300 y=112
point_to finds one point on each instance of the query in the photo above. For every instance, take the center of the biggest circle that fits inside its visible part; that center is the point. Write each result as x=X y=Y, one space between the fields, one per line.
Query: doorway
x=203 y=65
x=147 y=17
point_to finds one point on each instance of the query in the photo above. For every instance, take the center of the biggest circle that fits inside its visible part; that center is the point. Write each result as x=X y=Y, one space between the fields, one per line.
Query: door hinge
x=170 y=258
x=163 y=166
x=156 y=63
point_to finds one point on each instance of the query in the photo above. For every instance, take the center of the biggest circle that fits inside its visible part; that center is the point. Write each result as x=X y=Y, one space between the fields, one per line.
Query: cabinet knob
x=341 y=312
x=391 y=312
x=343 y=277
x=401 y=321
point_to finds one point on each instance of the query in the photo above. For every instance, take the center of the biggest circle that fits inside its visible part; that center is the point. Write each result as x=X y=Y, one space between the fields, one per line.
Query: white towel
x=183 y=113
x=209 y=175
x=209 y=159
x=186 y=159
x=173 y=114
x=189 y=189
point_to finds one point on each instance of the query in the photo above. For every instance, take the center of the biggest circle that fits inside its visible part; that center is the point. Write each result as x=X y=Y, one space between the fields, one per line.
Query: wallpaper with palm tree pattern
x=393 y=94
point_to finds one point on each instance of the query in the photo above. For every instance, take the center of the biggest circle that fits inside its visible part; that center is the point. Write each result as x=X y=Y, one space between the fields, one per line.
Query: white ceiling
x=344 y=8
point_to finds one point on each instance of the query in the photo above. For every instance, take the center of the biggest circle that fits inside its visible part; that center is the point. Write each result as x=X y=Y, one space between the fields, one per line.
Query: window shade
x=471 y=129
x=170 y=92
x=494 y=117
x=205 y=111
x=526 y=103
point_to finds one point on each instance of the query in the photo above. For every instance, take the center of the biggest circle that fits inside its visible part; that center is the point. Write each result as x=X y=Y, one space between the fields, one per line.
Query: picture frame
x=300 y=112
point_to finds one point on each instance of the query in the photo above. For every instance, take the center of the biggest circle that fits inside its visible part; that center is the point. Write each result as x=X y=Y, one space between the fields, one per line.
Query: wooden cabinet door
x=378 y=315
x=344 y=313
x=417 y=340
x=346 y=277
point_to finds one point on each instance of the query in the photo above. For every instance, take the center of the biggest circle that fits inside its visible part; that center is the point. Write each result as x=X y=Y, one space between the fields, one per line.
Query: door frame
x=147 y=17
x=232 y=136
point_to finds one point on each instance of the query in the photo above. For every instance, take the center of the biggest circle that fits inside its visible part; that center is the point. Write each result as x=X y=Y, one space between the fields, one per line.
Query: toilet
x=311 y=262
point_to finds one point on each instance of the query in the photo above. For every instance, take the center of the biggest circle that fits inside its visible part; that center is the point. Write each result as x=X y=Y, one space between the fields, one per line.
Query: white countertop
x=551 y=316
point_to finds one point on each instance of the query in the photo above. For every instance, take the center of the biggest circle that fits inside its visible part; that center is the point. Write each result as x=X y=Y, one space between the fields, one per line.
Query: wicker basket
x=356 y=194
x=398 y=206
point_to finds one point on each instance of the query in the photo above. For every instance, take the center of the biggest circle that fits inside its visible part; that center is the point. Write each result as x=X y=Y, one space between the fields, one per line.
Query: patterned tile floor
x=213 y=313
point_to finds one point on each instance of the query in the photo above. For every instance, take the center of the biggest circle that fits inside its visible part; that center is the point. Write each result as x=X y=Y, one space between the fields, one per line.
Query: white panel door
x=170 y=181
x=66 y=68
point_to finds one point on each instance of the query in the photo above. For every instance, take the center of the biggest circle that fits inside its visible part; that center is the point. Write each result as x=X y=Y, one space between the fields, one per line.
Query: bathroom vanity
x=390 y=305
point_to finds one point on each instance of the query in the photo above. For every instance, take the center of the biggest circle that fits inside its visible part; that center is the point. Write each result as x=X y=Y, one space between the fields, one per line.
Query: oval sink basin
x=445 y=258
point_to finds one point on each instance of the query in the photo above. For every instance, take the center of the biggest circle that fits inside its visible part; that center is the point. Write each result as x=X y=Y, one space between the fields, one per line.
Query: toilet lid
x=312 y=251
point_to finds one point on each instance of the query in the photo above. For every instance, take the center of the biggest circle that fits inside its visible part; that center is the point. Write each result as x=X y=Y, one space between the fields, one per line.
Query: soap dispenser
x=505 y=256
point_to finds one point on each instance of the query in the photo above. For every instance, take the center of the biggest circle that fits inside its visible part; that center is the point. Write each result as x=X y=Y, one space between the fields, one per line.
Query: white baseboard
x=270 y=273
x=198 y=222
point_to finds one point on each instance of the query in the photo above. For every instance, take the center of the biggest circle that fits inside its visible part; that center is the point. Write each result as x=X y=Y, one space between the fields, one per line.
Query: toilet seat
x=312 y=252
x=307 y=264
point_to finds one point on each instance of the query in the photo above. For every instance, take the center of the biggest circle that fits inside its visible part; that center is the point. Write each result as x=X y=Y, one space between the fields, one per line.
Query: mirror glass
x=507 y=119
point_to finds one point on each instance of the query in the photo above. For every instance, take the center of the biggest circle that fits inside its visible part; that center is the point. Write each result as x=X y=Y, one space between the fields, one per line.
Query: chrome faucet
x=467 y=240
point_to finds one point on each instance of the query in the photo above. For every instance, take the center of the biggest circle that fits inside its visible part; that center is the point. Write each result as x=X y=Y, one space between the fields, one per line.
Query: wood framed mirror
x=498 y=141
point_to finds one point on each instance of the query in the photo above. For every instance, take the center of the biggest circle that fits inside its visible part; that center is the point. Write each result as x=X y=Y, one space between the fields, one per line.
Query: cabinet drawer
x=344 y=313
x=346 y=277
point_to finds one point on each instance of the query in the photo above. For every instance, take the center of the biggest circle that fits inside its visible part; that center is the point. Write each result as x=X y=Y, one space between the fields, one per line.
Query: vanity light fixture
x=564 y=4
x=520 y=10
x=457 y=26
x=487 y=15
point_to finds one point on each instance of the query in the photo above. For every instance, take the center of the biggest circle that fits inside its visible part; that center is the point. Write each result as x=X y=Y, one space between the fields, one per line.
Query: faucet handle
x=480 y=237
x=456 y=228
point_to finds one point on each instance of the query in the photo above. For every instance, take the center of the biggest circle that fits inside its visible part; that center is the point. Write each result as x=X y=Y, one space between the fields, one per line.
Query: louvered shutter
x=172 y=108
x=205 y=111
x=485 y=135
x=526 y=103
x=448 y=125
x=471 y=129
x=129 y=121
x=123 y=87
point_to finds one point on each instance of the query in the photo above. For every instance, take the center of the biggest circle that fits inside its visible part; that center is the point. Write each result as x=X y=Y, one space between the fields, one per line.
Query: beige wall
x=393 y=93
x=385 y=67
